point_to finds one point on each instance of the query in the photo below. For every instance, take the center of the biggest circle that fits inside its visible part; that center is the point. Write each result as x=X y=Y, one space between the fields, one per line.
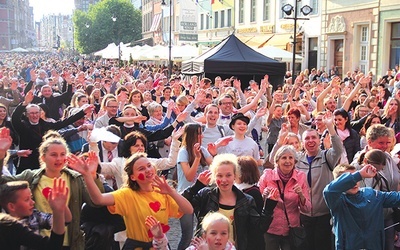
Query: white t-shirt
x=244 y=147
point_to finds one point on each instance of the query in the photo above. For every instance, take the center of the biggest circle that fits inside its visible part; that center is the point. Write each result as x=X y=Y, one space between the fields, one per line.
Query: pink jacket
x=279 y=225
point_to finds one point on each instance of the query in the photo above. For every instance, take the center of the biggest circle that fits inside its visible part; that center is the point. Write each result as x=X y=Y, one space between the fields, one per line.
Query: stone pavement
x=174 y=234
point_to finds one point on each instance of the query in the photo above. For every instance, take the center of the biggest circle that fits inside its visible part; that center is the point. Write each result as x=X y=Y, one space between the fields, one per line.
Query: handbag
x=297 y=235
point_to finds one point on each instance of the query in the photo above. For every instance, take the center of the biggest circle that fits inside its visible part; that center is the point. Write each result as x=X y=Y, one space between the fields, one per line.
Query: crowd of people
x=98 y=156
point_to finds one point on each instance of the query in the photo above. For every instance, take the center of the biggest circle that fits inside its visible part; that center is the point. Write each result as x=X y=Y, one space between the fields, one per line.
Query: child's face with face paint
x=225 y=176
x=143 y=171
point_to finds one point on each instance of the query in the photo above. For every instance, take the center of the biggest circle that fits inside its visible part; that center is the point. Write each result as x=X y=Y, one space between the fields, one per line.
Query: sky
x=46 y=7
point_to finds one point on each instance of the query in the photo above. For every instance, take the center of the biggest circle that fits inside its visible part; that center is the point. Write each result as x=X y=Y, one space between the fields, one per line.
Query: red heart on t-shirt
x=155 y=206
x=46 y=191
x=165 y=229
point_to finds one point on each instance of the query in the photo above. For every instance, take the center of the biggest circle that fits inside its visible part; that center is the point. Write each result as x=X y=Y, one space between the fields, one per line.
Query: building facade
x=83 y=5
x=260 y=23
x=350 y=37
x=16 y=25
x=54 y=27
x=343 y=35
x=388 y=41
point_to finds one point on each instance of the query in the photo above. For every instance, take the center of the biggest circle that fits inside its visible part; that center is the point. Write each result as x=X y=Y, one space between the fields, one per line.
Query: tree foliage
x=96 y=29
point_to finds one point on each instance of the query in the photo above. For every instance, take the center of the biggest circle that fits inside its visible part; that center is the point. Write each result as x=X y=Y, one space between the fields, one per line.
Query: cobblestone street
x=174 y=234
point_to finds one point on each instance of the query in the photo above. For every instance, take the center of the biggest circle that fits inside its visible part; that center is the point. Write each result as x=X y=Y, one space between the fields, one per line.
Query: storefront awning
x=156 y=22
x=276 y=40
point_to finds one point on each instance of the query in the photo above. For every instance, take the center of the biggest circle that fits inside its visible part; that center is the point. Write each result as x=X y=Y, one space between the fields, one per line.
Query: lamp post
x=114 y=18
x=288 y=9
x=170 y=36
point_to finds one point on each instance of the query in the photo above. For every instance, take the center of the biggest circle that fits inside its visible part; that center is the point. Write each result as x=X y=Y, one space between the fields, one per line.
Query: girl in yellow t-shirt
x=143 y=195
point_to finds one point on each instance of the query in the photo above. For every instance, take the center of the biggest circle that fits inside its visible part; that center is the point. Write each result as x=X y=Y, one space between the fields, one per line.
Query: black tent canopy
x=234 y=58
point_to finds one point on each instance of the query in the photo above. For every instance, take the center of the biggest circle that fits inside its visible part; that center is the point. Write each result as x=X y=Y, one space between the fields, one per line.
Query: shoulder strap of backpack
x=326 y=160
x=221 y=130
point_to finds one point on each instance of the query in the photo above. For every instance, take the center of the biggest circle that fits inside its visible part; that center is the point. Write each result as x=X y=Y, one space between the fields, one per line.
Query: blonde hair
x=212 y=218
x=341 y=169
x=221 y=159
x=44 y=147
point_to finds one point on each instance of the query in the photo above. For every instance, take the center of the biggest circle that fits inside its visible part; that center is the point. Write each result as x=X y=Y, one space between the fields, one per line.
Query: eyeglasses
x=226 y=103
x=33 y=113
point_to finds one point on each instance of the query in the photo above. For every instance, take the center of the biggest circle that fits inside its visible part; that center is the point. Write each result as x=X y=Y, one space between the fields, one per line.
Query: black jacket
x=13 y=235
x=30 y=136
x=53 y=102
x=206 y=199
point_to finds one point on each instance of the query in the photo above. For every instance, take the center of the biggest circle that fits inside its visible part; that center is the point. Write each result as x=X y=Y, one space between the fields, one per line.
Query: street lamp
x=114 y=18
x=288 y=9
x=170 y=36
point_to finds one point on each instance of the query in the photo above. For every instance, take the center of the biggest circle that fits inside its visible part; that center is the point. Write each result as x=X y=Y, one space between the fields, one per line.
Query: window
x=314 y=6
x=229 y=18
x=395 y=45
x=253 y=11
x=266 y=10
x=222 y=18
x=241 y=11
x=208 y=20
x=299 y=5
x=216 y=19
x=364 y=48
x=201 y=21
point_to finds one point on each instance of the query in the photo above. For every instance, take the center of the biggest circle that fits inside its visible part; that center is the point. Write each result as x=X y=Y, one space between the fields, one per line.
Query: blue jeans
x=187 y=231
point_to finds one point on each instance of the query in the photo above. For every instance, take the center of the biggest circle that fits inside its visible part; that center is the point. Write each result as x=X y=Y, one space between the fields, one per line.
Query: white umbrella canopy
x=109 y=47
x=155 y=53
x=184 y=52
x=112 y=51
x=278 y=54
x=131 y=51
x=19 y=50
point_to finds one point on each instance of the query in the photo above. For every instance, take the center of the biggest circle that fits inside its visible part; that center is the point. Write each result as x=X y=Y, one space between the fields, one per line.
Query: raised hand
x=28 y=97
x=182 y=116
x=78 y=164
x=155 y=227
x=33 y=75
x=197 y=150
x=171 y=106
x=177 y=133
x=212 y=148
x=92 y=161
x=297 y=189
x=89 y=109
x=162 y=184
x=368 y=171
x=205 y=177
x=200 y=96
x=58 y=195
x=273 y=194
x=364 y=81
x=200 y=243
x=261 y=112
x=225 y=141
x=283 y=134
x=5 y=140
x=236 y=84
x=328 y=118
